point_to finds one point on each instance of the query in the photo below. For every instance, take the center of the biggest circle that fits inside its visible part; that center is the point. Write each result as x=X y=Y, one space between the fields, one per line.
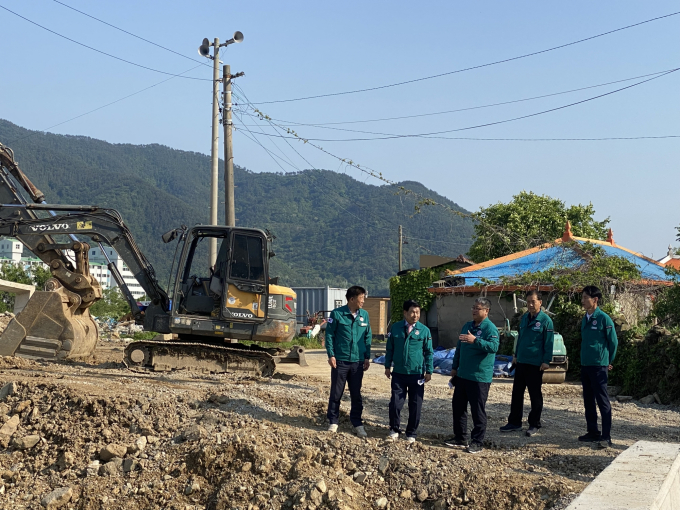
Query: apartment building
x=11 y=251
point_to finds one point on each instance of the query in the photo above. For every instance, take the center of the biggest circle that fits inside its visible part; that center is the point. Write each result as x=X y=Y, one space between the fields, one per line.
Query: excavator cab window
x=198 y=295
x=248 y=259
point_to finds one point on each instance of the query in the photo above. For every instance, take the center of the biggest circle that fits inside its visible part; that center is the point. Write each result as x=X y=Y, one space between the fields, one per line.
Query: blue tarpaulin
x=554 y=256
x=443 y=359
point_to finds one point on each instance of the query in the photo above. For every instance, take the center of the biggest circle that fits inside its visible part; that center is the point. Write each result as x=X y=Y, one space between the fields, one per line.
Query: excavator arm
x=56 y=321
x=101 y=226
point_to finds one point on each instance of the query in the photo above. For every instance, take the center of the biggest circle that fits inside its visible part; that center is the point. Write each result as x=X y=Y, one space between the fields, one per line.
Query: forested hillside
x=330 y=228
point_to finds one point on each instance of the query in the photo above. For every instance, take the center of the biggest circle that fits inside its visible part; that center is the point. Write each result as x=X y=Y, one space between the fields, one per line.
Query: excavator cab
x=233 y=289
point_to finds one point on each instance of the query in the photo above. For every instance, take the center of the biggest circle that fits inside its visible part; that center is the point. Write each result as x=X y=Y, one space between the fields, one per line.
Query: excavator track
x=163 y=356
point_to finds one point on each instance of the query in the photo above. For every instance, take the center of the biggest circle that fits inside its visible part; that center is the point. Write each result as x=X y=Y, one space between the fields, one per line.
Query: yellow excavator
x=211 y=310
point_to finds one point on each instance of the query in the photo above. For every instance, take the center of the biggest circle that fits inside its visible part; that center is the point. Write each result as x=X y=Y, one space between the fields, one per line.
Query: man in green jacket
x=472 y=372
x=348 y=345
x=598 y=349
x=409 y=347
x=532 y=356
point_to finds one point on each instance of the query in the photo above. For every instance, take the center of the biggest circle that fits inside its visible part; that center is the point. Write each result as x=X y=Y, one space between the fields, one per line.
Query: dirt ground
x=93 y=434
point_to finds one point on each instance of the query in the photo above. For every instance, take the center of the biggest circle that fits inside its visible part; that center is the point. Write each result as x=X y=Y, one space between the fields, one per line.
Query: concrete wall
x=645 y=476
x=21 y=292
x=449 y=313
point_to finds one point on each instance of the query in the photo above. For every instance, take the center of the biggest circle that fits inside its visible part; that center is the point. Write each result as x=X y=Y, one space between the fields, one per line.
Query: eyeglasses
x=477 y=309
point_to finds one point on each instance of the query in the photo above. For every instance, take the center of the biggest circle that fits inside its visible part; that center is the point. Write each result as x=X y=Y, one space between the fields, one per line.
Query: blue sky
x=295 y=49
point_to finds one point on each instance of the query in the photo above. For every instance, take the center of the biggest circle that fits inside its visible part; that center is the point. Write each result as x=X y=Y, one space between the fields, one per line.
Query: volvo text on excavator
x=211 y=309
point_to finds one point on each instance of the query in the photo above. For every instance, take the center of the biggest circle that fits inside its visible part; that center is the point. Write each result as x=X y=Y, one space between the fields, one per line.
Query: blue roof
x=541 y=259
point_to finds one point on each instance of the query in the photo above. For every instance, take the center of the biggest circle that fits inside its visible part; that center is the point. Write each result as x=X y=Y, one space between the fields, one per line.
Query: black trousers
x=475 y=393
x=403 y=385
x=531 y=377
x=594 y=381
x=351 y=374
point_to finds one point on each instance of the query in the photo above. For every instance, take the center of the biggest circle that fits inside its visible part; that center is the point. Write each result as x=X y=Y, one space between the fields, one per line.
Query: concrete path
x=646 y=476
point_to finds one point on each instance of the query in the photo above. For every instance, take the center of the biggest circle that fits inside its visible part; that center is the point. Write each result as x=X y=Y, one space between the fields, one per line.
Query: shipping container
x=311 y=300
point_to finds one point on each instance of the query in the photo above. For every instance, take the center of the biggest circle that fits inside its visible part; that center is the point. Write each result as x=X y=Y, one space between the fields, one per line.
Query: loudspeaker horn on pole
x=238 y=37
x=204 y=49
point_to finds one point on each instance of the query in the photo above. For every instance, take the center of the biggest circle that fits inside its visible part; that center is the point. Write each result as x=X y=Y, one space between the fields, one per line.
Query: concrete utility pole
x=214 y=149
x=401 y=243
x=229 y=208
x=204 y=51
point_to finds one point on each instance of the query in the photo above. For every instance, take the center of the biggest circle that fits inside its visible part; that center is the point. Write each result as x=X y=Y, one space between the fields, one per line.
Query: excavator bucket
x=50 y=327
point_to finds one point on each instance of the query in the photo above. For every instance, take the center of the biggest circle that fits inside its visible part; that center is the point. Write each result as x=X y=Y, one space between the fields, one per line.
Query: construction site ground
x=92 y=434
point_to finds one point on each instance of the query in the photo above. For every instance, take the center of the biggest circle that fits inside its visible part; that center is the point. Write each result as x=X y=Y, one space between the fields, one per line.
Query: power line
x=130 y=33
x=253 y=139
x=322 y=124
x=511 y=239
x=487 y=124
x=103 y=52
x=470 y=68
x=100 y=107
x=272 y=155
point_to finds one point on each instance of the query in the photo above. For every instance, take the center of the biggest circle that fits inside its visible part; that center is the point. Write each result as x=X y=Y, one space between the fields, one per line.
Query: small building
x=378 y=309
x=672 y=259
x=452 y=307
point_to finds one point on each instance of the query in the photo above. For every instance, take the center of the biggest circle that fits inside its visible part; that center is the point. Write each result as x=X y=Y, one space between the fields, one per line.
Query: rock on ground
x=57 y=498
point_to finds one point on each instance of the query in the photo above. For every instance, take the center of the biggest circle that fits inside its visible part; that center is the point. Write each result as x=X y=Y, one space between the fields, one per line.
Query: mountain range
x=330 y=228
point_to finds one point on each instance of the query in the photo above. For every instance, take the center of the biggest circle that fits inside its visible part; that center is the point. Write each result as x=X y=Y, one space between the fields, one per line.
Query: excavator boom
x=209 y=312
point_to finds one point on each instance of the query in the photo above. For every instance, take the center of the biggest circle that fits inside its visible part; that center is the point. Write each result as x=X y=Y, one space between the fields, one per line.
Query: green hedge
x=414 y=286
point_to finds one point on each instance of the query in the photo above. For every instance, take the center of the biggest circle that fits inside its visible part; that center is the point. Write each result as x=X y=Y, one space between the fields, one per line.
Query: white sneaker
x=410 y=439
x=333 y=427
x=393 y=436
x=360 y=431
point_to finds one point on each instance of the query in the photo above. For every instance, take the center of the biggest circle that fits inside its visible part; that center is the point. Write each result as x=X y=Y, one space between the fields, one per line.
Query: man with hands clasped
x=532 y=355
x=471 y=375
x=348 y=345
x=409 y=346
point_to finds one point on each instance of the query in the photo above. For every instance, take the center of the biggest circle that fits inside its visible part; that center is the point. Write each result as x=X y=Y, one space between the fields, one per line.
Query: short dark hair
x=593 y=292
x=354 y=291
x=536 y=293
x=483 y=302
x=410 y=303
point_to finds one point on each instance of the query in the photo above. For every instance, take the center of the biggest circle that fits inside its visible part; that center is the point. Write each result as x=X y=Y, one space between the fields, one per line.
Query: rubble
x=124 y=440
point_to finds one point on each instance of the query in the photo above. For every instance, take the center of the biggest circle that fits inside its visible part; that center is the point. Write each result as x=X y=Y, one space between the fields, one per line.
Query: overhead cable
x=390 y=136
x=472 y=67
x=100 y=107
x=323 y=124
x=103 y=52
x=130 y=33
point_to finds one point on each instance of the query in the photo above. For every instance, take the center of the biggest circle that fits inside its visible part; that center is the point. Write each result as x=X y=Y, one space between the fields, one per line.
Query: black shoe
x=475 y=448
x=590 y=438
x=604 y=443
x=453 y=441
x=532 y=431
x=510 y=428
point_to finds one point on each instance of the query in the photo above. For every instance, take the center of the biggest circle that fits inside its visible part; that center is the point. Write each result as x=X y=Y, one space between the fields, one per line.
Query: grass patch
x=144 y=335
x=307 y=343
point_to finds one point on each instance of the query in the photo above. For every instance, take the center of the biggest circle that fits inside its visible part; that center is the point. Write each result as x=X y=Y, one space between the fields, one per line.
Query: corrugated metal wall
x=315 y=299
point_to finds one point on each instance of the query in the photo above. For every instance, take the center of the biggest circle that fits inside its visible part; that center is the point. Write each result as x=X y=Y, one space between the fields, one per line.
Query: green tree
x=40 y=275
x=111 y=306
x=527 y=221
